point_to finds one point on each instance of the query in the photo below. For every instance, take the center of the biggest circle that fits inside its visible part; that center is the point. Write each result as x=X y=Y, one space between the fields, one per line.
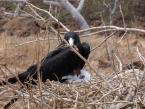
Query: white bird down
x=73 y=79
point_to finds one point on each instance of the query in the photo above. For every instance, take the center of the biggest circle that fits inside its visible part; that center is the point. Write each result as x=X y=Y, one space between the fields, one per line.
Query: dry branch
x=72 y=10
x=75 y=14
x=73 y=95
x=20 y=6
x=113 y=28
x=48 y=2
x=80 y=6
x=33 y=6
x=142 y=58
x=114 y=7
x=103 y=41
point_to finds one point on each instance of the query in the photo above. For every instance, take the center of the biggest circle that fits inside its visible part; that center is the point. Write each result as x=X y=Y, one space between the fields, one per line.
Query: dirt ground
x=23 y=42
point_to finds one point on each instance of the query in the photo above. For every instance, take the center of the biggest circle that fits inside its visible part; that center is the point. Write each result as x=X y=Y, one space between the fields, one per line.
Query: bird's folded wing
x=52 y=54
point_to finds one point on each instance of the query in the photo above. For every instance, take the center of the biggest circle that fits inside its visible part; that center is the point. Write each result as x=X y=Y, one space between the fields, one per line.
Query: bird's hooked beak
x=71 y=41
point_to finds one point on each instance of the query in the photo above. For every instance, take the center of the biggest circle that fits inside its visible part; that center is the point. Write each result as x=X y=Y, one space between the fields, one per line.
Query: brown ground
x=18 y=56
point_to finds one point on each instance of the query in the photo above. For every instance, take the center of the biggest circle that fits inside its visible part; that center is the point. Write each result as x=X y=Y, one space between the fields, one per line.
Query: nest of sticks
x=126 y=91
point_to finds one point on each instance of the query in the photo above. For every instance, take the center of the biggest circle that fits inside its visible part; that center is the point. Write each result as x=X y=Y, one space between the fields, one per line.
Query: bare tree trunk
x=80 y=6
x=72 y=10
x=75 y=13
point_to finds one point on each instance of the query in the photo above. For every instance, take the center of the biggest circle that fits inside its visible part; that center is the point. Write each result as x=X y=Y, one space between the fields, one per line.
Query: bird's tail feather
x=22 y=77
x=10 y=80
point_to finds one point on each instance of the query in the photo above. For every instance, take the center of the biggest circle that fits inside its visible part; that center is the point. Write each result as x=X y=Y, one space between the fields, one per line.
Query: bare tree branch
x=113 y=28
x=72 y=10
x=49 y=15
x=81 y=4
x=20 y=6
x=115 y=7
x=55 y=3
x=75 y=14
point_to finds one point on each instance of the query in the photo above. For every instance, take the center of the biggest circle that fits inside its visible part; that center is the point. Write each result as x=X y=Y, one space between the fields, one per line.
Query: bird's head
x=72 y=38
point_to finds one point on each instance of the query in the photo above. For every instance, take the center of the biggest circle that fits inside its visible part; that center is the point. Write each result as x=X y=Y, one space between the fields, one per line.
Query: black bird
x=58 y=63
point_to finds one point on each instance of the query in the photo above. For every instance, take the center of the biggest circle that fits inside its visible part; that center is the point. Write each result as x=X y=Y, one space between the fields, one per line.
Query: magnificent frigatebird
x=58 y=63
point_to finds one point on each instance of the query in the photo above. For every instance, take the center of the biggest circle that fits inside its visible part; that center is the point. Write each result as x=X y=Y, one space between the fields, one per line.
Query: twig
x=124 y=24
x=122 y=37
x=49 y=15
x=35 y=12
x=120 y=69
x=77 y=95
x=129 y=97
x=98 y=32
x=129 y=50
x=29 y=42
x=113 y=27
x=20 y=6
x=115 y=7
x=119 y=61
x=115 y=102
x=94 y=102
x=102 y=41
x=143 y=60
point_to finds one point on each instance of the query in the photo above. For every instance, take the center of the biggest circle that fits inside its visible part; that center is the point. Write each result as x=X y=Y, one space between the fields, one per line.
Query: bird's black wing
x=52 y=54
x=85 y=52
x=59 y=65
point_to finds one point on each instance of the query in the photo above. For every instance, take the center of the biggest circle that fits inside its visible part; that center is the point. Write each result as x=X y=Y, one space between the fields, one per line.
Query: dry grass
x=127 y=85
